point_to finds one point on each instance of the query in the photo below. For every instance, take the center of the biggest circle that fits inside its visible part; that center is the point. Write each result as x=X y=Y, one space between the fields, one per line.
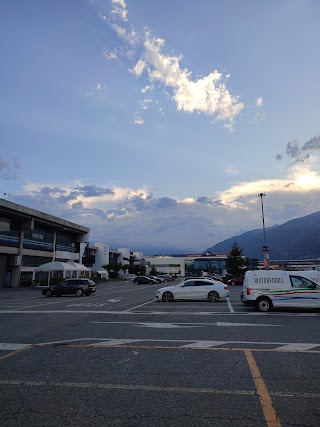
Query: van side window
x=302 y=282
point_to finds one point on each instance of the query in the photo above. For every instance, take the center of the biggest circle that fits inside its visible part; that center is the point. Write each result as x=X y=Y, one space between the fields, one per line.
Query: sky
x=157 y=123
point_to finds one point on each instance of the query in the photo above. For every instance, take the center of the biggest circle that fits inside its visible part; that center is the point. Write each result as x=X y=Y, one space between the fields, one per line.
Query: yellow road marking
x=15 y=352
x=269 y=412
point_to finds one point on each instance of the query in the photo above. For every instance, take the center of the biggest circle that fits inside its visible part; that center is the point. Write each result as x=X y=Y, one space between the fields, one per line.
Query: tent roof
x=78 y=266
x=55 y=266
x=62 y=266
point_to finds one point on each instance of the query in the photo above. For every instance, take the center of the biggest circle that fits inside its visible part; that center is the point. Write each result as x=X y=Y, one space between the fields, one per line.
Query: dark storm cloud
x=9 y=171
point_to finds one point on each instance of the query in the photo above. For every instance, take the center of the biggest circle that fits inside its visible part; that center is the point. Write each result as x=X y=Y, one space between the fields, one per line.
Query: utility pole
x=265 y=247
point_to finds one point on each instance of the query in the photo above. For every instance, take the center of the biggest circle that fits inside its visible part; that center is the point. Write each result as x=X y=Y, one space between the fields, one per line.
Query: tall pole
x=265 y=247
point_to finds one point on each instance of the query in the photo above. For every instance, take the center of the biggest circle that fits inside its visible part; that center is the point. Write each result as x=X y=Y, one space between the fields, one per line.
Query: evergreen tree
x=153 y=271
x=236 y=263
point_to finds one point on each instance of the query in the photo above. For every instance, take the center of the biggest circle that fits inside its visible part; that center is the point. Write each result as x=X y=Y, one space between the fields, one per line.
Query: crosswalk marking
x=297 y=346
x=174 y=344
x=204 y=344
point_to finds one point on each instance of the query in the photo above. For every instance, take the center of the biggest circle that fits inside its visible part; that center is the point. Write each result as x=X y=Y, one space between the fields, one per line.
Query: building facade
x=30 y=238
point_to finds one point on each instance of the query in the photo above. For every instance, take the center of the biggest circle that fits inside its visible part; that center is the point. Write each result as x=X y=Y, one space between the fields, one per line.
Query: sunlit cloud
x=208 y=95
x=259 y=101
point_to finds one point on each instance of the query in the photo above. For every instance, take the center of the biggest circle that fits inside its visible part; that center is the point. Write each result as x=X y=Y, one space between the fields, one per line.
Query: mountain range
x=296 y=239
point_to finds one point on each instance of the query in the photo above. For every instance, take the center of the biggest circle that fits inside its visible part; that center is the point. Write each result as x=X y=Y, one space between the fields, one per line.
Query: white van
x=264 y=289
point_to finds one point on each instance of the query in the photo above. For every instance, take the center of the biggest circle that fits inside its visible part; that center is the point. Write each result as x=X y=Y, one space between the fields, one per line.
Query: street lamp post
x=265 y=247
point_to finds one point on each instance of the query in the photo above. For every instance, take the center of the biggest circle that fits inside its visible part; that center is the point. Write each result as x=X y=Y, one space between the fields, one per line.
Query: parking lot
x=120 y=358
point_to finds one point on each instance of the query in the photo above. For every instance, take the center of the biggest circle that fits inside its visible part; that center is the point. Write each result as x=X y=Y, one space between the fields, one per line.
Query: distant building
x=192 y=264
x=29 y=238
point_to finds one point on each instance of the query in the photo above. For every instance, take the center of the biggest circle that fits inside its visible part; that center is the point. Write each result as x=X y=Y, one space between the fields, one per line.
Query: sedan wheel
x=79 y=293
x=167 y=297
x=213 y=297
x=48 y=293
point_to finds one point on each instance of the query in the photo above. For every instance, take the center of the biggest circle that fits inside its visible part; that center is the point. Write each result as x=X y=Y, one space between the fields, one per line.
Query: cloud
x=119 y=8
x=135 y=218
x=99 y=88
x=138 y=121
x=230 y=170
x=308 y=152
x=279 y=157
x=9 y=169
x=208 y=94
x=110 y=55
x=259 y=101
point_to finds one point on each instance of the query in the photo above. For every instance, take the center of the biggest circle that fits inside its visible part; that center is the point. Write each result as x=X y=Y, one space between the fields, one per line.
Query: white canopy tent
x=59 y=270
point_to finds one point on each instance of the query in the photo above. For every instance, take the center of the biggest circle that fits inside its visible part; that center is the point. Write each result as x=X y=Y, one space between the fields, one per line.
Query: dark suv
x=142 y=280
x=71 y=286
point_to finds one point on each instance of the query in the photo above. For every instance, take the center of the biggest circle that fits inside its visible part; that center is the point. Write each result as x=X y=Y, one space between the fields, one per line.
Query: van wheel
x=264 y=304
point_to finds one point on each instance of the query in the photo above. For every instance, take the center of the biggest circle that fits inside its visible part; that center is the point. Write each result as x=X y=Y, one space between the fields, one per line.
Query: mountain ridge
x=297 y=238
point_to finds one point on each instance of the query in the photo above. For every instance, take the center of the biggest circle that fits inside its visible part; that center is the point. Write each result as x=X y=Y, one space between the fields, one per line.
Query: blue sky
x=158 y=123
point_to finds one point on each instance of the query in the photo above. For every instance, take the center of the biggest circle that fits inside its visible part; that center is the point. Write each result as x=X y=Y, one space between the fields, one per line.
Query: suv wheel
x=79 y=293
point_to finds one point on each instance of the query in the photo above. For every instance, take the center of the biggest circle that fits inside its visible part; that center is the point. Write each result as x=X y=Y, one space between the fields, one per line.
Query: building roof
x=23 y=212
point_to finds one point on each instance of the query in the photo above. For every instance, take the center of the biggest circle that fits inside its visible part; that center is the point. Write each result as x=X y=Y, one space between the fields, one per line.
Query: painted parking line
x=13 y=346
x=270 y=414
x=229 y=305
x=138 y=306
x=5 y=356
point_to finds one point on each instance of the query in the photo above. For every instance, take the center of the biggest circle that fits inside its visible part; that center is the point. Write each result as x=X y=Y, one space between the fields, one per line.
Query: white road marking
x=185 y=344
x=229 y=305
x=297 y=346
x=165 y=325
x=244 y=324
x=113 y=342
x=204 y=344
x=12 y=346
x=140 y=305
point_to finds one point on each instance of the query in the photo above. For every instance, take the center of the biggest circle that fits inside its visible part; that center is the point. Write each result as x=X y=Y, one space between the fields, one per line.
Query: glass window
x=189 y=283
x=302 y=282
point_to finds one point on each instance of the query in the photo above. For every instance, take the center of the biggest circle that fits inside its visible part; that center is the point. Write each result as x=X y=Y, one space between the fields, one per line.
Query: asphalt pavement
x=120 y=358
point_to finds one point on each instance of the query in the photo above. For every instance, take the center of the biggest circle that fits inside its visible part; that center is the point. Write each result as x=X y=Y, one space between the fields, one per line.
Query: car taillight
x=248 y=291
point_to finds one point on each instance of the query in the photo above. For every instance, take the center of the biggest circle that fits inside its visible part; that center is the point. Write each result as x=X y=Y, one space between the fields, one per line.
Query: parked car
x=214 y=277
x=166 y=277
x=236 y=281
x=71 y=286
x=158 y=279
x=130 y=277
x=193 y=289
x=143 y=280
